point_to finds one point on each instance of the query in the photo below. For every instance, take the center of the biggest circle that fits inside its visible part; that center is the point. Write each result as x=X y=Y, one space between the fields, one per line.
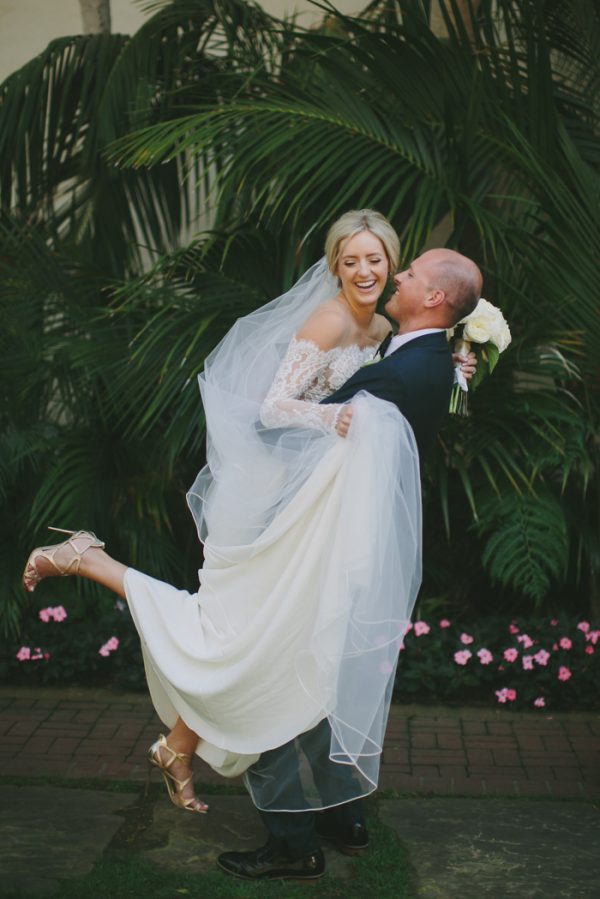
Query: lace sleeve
x=281 y=408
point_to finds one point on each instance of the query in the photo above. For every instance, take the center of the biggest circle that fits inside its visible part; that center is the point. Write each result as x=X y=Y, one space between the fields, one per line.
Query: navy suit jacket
x=417 y=377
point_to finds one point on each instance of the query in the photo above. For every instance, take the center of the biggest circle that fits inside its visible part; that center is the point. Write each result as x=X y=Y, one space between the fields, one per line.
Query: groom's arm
x=379 y=379
x=418 y=382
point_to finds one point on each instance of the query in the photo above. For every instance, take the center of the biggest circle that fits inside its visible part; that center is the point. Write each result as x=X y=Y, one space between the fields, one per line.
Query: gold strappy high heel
x=174 y=786
x=31 y=575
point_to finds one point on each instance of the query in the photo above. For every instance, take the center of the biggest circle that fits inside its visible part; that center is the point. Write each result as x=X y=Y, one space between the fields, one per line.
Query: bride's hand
x=468 y=363
x=343 y=422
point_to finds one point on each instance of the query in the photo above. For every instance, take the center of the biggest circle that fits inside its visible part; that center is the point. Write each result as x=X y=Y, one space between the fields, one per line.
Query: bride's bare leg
x=181 y=740
x=97 y=565
x=82 y=553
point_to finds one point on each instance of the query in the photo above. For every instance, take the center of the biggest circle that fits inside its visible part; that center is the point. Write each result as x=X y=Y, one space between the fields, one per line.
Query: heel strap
x=74 y=564
x=161 y=743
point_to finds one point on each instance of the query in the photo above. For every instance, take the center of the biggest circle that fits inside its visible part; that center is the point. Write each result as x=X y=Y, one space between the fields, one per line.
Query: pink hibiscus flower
x=110 y=646
x=506 y=695
x=526 y=640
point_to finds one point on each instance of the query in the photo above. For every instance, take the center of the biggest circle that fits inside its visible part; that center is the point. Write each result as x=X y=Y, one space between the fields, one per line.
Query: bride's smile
x=363 y=270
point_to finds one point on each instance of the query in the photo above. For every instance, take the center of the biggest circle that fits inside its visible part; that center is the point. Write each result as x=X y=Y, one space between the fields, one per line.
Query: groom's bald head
x=460 y=279
x=436 y=290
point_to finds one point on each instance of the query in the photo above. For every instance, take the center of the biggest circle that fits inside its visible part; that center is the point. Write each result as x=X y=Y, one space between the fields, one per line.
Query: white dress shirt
x=400 y=339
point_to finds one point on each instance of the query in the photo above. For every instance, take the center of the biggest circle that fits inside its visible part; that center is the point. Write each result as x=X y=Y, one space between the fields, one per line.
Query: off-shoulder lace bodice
x=307 y=375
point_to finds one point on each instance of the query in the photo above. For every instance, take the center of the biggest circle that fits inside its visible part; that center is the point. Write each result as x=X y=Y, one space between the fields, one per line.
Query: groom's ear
x=436 y=298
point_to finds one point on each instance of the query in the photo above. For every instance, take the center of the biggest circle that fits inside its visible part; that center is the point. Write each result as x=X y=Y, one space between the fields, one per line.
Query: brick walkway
x=428 y=750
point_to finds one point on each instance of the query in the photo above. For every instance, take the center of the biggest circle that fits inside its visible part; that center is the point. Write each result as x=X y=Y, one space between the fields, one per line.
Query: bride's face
x=362 y=269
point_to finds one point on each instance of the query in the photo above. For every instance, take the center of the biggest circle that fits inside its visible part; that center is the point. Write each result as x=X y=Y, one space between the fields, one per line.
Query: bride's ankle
x=92 y=561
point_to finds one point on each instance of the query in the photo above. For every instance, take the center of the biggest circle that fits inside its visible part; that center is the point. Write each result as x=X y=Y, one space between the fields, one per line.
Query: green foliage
x=68 y=651
x=216 y=118
x=459 y=662
x=528 y=544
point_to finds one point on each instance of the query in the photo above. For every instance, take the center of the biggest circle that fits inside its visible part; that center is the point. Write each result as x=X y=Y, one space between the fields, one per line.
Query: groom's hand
x=468 y=363
x=343 y=422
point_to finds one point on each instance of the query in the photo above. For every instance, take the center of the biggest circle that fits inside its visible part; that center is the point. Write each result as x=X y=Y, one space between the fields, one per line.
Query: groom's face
x=413 y=286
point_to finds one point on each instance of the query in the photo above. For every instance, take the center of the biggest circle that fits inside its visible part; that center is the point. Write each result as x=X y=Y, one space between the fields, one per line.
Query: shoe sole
x=352 y=850
x=343 y=848
x=272 y=875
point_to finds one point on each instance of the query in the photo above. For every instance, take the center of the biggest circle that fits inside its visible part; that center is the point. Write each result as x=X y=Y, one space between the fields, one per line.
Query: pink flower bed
x=507 y=663
x=542 y=663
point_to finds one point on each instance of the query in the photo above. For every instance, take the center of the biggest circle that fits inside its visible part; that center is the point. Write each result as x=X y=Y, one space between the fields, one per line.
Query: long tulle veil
x=362 y=577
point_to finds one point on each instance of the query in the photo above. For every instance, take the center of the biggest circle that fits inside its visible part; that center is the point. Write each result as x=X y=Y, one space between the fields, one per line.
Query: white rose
x=486 y=323
x=504 y=338
x=477 y=330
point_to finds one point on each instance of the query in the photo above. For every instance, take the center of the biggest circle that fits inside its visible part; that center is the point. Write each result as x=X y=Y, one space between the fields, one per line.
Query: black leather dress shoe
x=351 y=840
x=268 y=864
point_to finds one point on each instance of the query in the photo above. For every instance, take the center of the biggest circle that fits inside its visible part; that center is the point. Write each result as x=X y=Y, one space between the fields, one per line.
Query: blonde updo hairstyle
x=353 y=222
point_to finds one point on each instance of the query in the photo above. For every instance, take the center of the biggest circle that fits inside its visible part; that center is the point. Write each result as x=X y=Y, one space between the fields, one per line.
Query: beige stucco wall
x=27 y=26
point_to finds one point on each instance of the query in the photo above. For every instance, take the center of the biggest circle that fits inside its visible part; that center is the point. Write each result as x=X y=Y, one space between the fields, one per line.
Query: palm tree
x=489 y=133
x=493 y=130
x=95 y=15
x=76 y=446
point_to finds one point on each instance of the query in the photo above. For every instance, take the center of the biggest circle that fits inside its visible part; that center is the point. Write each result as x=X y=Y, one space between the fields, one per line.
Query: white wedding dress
x=309 y=578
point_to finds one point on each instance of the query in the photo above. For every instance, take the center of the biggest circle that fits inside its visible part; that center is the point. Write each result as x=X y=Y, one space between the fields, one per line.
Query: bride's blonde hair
x=355 y=221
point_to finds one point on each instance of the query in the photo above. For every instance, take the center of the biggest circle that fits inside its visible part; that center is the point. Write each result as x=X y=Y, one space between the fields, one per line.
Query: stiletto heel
x=32 y=576
x=174 y=786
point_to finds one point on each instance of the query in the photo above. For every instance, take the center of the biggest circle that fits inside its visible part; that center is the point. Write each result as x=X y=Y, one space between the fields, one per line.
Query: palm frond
x=528 y=546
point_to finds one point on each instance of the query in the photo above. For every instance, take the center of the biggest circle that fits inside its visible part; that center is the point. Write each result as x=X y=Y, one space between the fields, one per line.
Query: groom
x=416 y=374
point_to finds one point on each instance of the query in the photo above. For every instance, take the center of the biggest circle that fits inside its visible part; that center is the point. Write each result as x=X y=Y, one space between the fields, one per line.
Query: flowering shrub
x=538 y=664
x=535 y=664
x=56 y=613
x=56 y=647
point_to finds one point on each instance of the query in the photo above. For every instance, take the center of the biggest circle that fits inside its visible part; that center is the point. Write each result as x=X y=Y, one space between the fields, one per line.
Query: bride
x=311 y=543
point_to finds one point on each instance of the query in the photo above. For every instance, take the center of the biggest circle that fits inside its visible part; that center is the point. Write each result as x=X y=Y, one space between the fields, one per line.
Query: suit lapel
x=384 y=345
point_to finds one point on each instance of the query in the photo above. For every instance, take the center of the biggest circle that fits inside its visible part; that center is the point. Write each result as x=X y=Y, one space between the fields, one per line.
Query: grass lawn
x=382 y=874
x=122 y=874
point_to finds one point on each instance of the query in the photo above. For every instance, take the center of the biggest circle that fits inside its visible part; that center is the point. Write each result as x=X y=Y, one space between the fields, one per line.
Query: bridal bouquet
x=486 y=327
